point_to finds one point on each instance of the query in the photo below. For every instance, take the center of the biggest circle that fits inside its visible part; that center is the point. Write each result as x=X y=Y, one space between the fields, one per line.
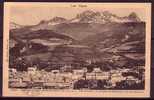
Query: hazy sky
x=28 y=15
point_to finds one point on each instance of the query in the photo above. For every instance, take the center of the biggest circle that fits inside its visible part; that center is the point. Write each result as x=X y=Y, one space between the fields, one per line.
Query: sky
x=33 y=14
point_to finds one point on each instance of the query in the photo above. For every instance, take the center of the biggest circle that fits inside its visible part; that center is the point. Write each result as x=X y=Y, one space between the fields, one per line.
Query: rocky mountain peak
x=42 y=22
x=134 y=17
x=90 y=16
x=58 y=19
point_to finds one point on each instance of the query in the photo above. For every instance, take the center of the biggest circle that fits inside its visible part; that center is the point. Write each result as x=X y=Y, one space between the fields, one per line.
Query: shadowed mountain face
x=39 y=34
x=97 y=36
x=117 y=33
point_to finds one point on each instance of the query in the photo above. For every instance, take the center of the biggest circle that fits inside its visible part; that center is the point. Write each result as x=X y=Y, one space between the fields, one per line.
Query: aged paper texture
x=76 y=49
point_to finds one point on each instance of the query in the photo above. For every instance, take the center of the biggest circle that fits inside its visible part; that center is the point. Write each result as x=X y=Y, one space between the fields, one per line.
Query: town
x=120 y=78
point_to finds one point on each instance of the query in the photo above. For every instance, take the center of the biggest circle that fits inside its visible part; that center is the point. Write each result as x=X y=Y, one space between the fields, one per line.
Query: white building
x=31 y=70
x=131 y=78
x=124 y=70
x=97 y=70
x=66 y=74
x=12 y=70
x=115 y=71
x=65 y=67
x=90 y=76
x=98 y=74
x=78 y=71
x=117 y=77
x=78 y=74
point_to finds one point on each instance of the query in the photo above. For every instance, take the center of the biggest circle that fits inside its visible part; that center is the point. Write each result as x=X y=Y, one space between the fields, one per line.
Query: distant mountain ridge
x=53 y=21
x=13 y=25
x=87 y=16
x=105 y=17
x=90 y=16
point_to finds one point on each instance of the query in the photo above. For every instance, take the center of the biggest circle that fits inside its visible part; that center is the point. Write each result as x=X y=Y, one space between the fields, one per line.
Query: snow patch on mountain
x=104 y=17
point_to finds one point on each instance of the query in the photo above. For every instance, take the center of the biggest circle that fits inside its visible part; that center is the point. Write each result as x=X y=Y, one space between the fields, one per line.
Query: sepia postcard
x=76 y=49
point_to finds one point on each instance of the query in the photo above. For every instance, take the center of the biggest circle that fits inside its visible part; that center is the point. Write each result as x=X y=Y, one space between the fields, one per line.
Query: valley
x=90 y=40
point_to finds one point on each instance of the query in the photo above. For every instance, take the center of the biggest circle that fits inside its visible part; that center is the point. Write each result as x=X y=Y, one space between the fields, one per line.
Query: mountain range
x=91 y=35
x=87 y=16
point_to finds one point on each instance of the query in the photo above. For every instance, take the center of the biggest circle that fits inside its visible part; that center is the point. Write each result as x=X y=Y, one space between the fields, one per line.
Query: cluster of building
x=61 y=79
